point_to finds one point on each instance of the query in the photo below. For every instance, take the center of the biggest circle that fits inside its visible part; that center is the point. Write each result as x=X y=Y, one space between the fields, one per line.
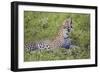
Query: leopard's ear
x=71 y=26
x=71 y=20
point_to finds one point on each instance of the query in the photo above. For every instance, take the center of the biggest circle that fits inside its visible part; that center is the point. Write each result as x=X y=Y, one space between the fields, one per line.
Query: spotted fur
x=59 y=41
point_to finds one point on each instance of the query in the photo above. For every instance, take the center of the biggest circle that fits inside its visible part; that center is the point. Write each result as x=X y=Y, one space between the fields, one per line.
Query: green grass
x=57 y=54
x=45 y=25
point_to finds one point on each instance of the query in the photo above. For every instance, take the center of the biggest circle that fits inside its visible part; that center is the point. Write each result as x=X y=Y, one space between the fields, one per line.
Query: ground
x=57 y=54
